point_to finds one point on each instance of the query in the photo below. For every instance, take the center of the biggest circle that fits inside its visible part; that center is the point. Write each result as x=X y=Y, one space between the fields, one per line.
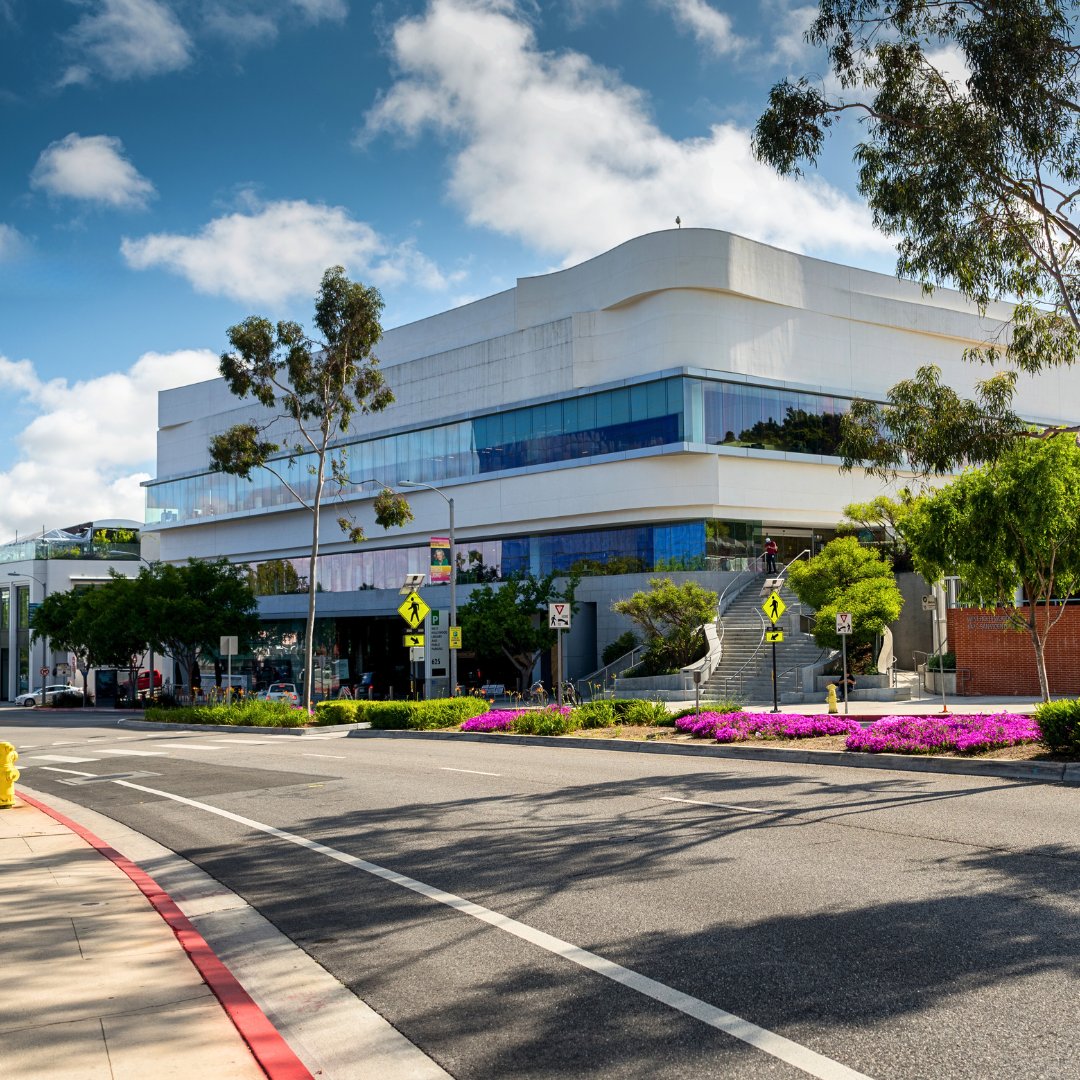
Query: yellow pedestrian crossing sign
x=414 y=611
x=774 y=607
x=414 y=641
x=774 y=636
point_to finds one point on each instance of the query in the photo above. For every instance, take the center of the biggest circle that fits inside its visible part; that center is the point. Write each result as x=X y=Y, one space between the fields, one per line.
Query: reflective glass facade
x=665 y=412
x=684 y=545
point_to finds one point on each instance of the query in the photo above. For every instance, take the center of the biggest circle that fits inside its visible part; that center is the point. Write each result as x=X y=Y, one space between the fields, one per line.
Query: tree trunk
x=309 y=632
x=1040 y=656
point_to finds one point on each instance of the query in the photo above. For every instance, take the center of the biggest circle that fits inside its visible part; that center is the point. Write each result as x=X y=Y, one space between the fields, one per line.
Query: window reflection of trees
x=801 y=432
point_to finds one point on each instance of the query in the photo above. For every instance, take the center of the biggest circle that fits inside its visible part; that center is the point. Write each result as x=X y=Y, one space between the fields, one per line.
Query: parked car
x=280 y=691
x=29 y=700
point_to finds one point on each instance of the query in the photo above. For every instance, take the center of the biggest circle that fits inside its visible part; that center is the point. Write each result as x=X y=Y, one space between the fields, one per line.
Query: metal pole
x=775 y=706
x=453 y=602
x=558 y=667
x=843 y=643
x=44 y=642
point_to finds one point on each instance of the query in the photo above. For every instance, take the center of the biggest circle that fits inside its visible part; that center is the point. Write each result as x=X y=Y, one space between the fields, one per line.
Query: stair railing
x=602 y=676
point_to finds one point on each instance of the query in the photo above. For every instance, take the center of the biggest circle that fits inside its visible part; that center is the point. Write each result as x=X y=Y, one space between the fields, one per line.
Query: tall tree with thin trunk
x=311 y=389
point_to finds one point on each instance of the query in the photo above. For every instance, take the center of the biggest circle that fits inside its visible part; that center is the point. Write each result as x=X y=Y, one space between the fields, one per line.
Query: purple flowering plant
x=506 y=719
x=957 y=734
x=742 y=726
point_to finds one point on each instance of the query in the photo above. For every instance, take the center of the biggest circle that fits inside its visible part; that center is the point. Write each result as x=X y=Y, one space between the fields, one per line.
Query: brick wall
x=1001 y=661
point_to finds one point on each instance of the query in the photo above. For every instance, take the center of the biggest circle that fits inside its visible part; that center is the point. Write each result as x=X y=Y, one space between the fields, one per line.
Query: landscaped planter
x=933 y=683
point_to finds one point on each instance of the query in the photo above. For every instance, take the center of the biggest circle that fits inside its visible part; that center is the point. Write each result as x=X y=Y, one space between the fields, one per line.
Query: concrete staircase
x=745 y=671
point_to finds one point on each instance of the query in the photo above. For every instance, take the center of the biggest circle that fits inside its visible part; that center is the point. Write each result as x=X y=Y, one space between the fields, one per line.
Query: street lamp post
x=453 y=573
x=44 y=639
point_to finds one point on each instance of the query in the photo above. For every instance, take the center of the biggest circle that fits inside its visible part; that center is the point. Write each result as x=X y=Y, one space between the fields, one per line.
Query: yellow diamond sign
x=774 y=607
x=414 y=611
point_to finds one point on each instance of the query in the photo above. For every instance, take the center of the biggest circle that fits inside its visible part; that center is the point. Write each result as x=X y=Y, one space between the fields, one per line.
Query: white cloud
x=92 y=168
x=713 y=29
x=90 y=443
x=242 y=27
x=555 y=150
x=11 y=242
x=790 y=23
x=279 y=250
x=127 y=39
x=317 y=10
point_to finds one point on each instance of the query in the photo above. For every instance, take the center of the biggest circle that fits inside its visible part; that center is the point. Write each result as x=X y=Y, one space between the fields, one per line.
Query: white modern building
x=56 y=560
x=659 y=408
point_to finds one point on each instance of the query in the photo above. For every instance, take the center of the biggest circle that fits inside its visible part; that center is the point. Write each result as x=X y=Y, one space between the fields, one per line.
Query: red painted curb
x=271 y=1051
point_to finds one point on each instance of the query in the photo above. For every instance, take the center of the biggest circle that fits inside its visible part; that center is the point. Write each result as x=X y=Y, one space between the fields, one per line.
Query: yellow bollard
x=8 y=775
x=830 y=691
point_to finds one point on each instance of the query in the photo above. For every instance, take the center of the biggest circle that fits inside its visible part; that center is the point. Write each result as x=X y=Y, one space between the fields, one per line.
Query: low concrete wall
x=862 y=682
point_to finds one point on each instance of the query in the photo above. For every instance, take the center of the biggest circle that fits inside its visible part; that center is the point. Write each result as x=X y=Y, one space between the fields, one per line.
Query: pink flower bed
x=739 y=726
x=496 y=720
x=964 y=734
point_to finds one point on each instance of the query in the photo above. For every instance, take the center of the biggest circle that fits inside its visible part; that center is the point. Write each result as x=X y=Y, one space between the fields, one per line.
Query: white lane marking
x=801 y=1057
x=227 y=740
x=123 y=751
x=475 y=772
x=337 y=757
x=199 y=746
x=718 y=805
x=64 y=758
x=70 y=772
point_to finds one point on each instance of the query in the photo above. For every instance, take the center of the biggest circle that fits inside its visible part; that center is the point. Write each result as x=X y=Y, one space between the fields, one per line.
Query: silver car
x=29 y=700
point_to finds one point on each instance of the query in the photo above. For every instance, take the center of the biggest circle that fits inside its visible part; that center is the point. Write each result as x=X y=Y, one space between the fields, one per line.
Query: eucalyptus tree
x=969 y=156
x=311 y=388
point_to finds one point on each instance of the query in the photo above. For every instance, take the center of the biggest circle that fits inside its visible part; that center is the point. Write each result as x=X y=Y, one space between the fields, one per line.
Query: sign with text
x=843 y=622
x=440 y=560
x=455 y=637
x=438 y=642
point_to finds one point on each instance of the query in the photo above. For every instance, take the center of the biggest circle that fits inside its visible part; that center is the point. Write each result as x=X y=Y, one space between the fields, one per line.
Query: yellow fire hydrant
x=8 y=775
x=830 y=692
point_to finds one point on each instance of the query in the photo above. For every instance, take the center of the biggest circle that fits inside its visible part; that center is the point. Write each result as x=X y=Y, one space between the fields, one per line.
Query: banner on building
x=440 y=559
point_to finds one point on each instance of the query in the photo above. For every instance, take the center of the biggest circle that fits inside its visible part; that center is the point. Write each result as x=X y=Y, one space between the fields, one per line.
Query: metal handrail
x=602 y=675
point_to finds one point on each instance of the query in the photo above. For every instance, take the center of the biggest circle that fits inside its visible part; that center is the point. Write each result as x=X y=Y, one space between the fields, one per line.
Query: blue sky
x=172 y=166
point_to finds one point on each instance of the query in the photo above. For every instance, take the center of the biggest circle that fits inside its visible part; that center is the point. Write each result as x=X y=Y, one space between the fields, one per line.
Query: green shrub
x=419 y=715
x=1059 y=722
x=595 y=714
x=646 y=713
x=336 y=712
x=546 y=722
x=251 y=714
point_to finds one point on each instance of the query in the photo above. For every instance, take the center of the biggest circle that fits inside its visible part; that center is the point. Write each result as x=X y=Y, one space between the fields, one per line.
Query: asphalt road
x=535 y=912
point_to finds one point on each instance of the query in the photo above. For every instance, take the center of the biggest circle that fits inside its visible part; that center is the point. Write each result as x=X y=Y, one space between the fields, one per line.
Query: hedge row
x=250 y=714
x=391 y=715
x=1059 y=722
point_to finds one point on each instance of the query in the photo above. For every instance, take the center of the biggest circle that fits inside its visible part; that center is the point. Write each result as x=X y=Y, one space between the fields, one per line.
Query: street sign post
x=559 y=620
x=843 y=628
x=228 y=647
x=774 y=607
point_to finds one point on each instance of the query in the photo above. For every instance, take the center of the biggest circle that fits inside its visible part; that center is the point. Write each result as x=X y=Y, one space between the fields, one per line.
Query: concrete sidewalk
x=96 y=982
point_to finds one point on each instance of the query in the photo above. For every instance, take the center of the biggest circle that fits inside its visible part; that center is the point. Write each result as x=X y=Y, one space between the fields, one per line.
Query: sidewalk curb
x=269 y=1049
x=1046 y=772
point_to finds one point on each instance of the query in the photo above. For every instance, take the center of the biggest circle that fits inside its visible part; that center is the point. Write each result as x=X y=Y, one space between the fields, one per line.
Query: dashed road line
x=123 y=751
x=475 y=772
x=336 y=757
x=60 y=757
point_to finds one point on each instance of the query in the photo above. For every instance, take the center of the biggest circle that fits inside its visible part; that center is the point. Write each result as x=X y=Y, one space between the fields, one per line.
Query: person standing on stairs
x=770 y=555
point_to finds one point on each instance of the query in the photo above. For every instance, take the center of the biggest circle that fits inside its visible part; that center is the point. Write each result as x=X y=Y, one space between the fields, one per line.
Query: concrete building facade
x=657 y=409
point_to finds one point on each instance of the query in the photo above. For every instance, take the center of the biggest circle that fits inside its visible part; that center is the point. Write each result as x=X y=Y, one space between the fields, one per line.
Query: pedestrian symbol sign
x=843 y=622
x=774 y=636
x=559 y=616
x=774 y=607
x=414 y=611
